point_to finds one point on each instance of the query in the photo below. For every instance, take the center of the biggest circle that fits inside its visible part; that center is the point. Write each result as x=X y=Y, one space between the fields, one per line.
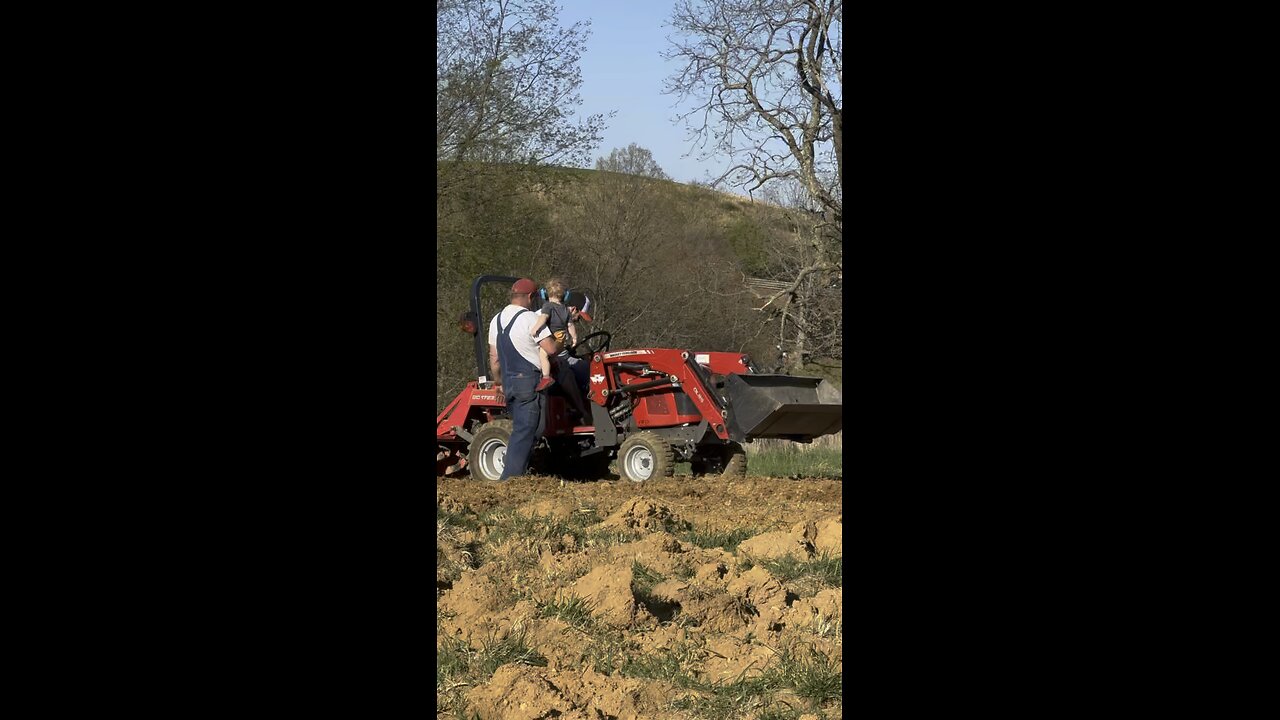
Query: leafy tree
x=507 y=83
x=632 y=160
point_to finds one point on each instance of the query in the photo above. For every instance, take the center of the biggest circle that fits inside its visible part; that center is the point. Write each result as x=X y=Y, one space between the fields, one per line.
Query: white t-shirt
x=525 y=345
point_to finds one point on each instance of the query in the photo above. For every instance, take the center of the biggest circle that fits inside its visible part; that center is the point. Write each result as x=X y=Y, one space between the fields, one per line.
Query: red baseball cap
x=524 y=285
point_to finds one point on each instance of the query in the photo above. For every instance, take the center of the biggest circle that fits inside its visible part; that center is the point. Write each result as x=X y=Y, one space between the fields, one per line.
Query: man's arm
x=494 y=369
x=548 y=343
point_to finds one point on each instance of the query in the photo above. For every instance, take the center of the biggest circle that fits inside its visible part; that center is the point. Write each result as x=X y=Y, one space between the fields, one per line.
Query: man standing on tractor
x=514 y=364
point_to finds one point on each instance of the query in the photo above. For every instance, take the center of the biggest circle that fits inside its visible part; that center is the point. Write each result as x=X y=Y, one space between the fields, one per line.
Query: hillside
x=665 y=262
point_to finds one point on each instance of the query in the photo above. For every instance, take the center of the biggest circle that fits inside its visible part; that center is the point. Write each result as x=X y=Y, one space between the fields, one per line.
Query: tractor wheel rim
x=493 y=457
x=639 y=463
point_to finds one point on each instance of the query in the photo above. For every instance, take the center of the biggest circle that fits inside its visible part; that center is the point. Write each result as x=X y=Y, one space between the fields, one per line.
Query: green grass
x=460 y=520
x=809 y=673
x=727 y=539
x=534 y=527
x=796 y=461
x=806 y=577
x=730 y=700
x=610 y=537
x=511 y=649
x=644 y=576
x=676 y=666
x=571 y=609
x=803 y=670
x=826 y=568
x=459 y=666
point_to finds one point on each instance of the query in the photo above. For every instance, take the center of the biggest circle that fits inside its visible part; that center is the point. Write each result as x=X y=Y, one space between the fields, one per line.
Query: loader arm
x=657 y=369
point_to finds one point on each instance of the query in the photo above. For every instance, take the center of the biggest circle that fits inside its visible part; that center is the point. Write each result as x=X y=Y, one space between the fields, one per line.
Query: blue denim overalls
x=526 y=406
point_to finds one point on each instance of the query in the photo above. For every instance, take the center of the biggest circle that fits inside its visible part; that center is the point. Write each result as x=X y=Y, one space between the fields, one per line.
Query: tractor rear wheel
x=488 y=451
x=645 y=456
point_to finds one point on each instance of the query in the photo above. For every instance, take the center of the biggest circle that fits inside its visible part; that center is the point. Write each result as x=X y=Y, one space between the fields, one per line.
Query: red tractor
x=650 y=407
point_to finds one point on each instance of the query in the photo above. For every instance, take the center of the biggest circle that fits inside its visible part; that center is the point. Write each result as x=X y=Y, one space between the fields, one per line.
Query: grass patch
x=730 y=700
x=602 y=538
x=673 y=666
x=609 y=650
x=803 y=670
x=644 y=577
x=727 y=539
x=453 y=658
x=511 y=649
x=460 y=520
x=822 y=571
x=457 y=662
x=797 y=461
x=571 y=609
x=812 y=675
x=533 y=527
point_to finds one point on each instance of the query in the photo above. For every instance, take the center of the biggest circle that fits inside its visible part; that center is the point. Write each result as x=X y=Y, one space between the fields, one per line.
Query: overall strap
x=507 y=331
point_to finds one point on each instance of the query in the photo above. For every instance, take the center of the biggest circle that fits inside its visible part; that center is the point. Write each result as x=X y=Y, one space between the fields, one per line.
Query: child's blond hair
x=555 y=289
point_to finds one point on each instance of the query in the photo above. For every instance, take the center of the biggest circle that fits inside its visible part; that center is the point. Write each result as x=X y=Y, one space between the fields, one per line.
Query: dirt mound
x=819 y=613
x=521 y=692
x=560 y=644
x=830 y=537
x=608 y=589
x=558 y=509
x=731 y=659
x=804 y=540
x=778 y=543
x=763 y=593
x=640 y=514
x=823 y=535
x=472 y=609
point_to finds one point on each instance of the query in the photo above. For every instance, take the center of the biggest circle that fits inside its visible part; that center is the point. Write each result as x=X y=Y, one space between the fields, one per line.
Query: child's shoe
x=545 y=383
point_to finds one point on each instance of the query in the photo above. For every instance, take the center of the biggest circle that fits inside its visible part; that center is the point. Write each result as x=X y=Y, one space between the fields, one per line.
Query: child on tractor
x=560 y=320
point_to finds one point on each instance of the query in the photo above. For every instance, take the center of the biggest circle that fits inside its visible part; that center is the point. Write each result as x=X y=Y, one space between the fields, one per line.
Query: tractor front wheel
x=645 y=456
x=488 y=452
x=728 y=460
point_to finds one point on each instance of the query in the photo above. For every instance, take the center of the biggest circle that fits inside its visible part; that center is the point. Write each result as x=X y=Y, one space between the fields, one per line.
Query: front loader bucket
x=781 y=406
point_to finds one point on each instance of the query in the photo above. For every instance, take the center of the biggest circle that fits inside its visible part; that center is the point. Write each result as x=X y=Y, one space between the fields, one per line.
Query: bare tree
x=765 y=79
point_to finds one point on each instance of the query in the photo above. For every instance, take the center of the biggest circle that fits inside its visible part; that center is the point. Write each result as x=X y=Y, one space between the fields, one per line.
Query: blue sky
x=623 y=71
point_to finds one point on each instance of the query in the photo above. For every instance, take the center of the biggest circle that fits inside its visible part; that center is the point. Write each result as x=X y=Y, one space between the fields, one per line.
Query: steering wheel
x=584 y=349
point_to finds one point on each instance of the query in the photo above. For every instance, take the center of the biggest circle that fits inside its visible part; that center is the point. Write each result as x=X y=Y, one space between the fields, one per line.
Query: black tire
x=728 y=460
x=645 y=456
x=735 y=464
x=487 y=453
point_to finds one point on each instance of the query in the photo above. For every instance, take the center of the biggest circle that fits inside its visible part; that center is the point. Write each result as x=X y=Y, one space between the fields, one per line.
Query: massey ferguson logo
x=597 y=379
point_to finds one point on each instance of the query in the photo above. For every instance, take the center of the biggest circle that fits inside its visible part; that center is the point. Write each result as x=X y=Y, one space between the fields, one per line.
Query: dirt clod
x=641 y=514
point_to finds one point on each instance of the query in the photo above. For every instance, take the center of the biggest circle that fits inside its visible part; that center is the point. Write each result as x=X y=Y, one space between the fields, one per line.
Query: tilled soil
x=675 y=598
